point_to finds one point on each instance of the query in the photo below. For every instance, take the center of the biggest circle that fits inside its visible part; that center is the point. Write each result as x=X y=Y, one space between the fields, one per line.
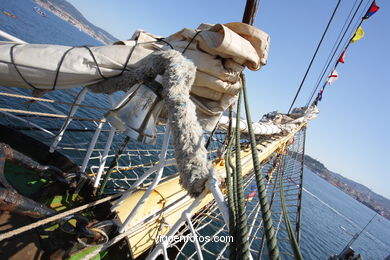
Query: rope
x=273 y=194
x=114 y=162
x=164 y=41
x=56 y=217
x=234 y=181
x=315 y=54
x=299 y=209
x=63 y=58
x=230 y=188
x=290 y=232
x=49 y=100
x=273 y=249
x=211 y=135
x=47 y=114
x=16 y=67
x=334 y=53
x=59 y=66
x=232 y=211
x=189 y=43
x=241 y=226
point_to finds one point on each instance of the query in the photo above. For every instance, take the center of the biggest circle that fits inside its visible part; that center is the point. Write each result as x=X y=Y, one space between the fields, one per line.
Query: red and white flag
x=342 y=56
x=333 y=77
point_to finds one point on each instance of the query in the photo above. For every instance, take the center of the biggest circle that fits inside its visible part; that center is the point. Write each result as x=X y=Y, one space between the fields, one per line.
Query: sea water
x=329 y=218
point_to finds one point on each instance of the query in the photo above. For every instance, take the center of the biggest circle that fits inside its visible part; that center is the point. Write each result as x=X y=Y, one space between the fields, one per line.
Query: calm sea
x=330 y=217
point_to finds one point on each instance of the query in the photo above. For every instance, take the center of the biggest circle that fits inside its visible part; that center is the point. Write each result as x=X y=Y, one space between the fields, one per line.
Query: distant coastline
x=361 y=193
x=69 y=13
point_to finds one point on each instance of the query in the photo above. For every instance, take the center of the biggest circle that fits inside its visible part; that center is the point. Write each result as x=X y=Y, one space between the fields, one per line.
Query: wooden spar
x=250 y=12
x=161 y=202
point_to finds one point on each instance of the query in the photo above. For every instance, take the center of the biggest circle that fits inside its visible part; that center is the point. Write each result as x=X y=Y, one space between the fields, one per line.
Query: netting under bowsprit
x=282 y=170
x=137 y=169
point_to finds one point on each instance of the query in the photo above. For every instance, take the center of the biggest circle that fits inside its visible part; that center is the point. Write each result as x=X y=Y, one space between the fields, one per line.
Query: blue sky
x=350 y=135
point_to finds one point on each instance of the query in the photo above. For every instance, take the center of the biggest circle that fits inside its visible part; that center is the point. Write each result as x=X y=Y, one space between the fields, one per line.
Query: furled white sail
x=274 y=122
x=220 y=53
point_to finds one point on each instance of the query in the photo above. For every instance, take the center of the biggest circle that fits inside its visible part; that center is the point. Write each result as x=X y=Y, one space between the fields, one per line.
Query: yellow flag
x=358 y=34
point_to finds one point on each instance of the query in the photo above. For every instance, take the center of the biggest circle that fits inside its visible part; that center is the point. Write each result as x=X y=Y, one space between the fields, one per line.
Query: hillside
x=69 y=13
x=358 y=191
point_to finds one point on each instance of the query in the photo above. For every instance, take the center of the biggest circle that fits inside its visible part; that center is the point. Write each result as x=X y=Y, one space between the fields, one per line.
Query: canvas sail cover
x=274 y=122
x=220 y=53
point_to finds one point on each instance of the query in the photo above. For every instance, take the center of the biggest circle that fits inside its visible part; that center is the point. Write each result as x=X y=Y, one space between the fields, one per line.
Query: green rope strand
x=229 y=183
x=242 y=236
x=272 y=242
x=234 y=181
x=232 y=209
x=273 y=195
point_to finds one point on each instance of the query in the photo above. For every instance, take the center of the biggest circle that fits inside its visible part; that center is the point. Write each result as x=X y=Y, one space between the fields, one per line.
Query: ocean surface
x=330 y=217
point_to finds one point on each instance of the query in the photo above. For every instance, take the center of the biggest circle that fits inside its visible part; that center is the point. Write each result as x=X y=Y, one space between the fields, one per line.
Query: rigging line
x=8 y=94
x=315 y=54
x=334 y=53
x=16 y=68
x=242 y=231
x=59 y=66
x=69 y=115
x=334 y=49
x=357 y=24
x=300 y=192
x=42 y=114
x=272 y=242
x=232 y=211
x=114 y=162
x=290 y=232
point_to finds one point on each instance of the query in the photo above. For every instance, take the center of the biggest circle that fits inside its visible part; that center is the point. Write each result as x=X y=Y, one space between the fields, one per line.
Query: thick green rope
x=242 y=231
x=270 y=235
x=234 y=181
x=232 y=209
x=277 y=160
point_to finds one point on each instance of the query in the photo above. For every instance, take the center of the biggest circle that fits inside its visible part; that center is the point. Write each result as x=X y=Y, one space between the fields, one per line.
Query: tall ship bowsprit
x=155 y=156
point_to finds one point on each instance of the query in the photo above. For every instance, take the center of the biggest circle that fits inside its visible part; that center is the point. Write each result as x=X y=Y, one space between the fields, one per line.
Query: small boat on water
x=9 y=14
x=348 y=252
x=39 y=11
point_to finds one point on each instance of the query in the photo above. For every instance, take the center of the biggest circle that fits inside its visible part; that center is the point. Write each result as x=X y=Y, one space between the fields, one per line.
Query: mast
x=250 y=11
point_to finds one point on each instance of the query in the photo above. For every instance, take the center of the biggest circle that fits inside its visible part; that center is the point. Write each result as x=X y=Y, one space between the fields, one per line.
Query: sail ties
x=178 y=74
